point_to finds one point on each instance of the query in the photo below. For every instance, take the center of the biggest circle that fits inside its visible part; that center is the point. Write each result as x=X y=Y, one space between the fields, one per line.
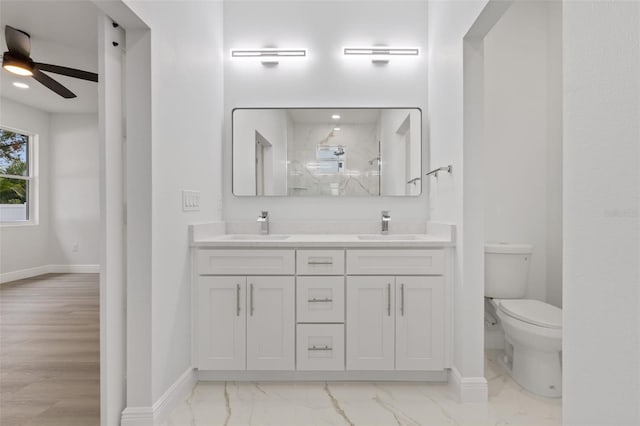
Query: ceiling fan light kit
x=18 y=61
x=18 y=66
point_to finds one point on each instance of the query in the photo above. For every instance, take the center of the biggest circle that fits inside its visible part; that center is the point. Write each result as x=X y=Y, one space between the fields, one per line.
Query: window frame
x=31 y=178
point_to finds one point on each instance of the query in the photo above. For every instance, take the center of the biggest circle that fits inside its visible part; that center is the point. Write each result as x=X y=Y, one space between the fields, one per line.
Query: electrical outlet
x=190 y=201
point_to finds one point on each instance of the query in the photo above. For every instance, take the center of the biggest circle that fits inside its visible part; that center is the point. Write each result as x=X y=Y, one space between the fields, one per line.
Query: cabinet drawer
x=395 y=262
x=320 y=299
x=320 y=262
x=246 y=262
x=320 y=347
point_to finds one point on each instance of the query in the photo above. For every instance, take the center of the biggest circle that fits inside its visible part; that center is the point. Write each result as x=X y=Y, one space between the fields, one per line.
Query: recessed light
x=20 y=85
x=336 y=116
x=337 y=129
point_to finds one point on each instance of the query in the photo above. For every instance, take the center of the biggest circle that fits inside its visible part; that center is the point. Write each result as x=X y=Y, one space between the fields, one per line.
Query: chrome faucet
x=386 y=218
x=263 y=220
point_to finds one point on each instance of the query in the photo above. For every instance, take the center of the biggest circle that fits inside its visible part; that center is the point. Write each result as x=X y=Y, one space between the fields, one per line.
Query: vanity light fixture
x=381 y=54
x=269 y=56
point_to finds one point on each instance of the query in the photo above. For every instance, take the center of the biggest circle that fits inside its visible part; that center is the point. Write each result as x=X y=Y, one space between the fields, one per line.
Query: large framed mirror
x=315 y=152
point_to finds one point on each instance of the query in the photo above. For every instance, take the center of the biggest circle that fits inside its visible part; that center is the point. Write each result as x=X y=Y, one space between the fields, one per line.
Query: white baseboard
x=48 y=269
x=137 y=416
x=468 y=389
x=74 y=269
x=159 y=413
x=6 y=277
x=321 y=376
x=176 y=393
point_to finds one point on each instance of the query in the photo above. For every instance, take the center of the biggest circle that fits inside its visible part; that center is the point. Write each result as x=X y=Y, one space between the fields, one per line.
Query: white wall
x=74 y=203
x=25 y=246
x=523 y=162
x=601 y=354
x=325 y=79
x=449 y=21
x=186 y=92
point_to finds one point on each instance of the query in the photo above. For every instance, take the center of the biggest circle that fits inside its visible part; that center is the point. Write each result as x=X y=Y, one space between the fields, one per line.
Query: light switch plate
x=190 y=201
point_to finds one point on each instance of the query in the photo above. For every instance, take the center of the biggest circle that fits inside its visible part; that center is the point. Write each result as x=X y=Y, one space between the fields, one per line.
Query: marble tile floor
x=363 y=404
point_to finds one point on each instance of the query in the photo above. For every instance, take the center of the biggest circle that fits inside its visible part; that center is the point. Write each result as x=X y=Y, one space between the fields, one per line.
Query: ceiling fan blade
x=52 y=84
x=69 y=72
x=17 y=41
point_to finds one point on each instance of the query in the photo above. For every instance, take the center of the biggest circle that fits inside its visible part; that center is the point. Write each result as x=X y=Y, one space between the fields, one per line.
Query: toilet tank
x=506 y=270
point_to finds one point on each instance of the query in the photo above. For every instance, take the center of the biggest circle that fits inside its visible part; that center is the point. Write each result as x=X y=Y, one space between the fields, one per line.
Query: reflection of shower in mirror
x=368 y=152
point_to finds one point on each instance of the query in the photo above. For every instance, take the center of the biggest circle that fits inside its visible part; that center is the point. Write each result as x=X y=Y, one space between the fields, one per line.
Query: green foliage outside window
x=13 y=162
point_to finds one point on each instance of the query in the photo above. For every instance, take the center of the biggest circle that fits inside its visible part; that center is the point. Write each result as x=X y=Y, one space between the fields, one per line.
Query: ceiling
x=62 y=33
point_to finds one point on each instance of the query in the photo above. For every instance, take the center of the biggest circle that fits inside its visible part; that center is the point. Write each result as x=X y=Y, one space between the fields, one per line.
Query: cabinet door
x=270 y=323
x=222 y=323
x=370 y=323
x=419 y=323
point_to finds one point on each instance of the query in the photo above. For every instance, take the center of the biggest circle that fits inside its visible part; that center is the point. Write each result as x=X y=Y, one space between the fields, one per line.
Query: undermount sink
x=255 y=237
x=387 y=237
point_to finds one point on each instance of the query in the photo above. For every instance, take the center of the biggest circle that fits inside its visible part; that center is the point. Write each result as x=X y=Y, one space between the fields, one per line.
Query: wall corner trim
x=161 y=409
x=468 y=389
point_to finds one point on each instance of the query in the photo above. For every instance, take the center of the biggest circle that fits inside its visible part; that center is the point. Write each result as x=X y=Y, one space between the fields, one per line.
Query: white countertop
x=324 y=240
x=238 y=235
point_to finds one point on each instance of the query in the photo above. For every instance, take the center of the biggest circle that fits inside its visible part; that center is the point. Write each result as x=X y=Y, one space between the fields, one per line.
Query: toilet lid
x=533 y=312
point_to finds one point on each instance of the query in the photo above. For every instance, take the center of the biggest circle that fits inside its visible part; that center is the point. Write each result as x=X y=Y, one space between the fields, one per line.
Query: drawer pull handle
x=314 y=300
x=323 y=348
x=320 y=262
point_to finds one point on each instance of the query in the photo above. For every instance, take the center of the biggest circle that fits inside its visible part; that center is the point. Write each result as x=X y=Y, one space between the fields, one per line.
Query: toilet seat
x=533 y=312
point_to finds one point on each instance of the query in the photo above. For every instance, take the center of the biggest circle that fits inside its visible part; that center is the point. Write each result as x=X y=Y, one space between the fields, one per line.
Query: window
x=15 y=176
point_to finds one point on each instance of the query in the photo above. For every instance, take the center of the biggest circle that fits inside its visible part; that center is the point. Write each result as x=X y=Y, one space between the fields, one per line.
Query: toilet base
x=537 y=371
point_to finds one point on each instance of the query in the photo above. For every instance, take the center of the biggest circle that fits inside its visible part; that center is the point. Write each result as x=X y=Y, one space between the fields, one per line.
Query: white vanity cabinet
x=349 y=312
x=270 y=323
x=370 y=323
x=395 y=322
x=221 y=323
x=246 y=322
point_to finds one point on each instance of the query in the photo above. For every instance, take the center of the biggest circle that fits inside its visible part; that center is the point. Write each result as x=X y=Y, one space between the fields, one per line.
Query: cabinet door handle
x=402 y=299
x=251 y=299
x=389 y=299
x=237 y=300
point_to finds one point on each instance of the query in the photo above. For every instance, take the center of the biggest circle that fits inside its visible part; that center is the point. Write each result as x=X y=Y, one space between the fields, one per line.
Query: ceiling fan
x=18 y=61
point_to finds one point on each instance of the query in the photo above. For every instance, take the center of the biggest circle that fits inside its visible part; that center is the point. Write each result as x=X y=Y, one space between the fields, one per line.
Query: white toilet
x=533 y=329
